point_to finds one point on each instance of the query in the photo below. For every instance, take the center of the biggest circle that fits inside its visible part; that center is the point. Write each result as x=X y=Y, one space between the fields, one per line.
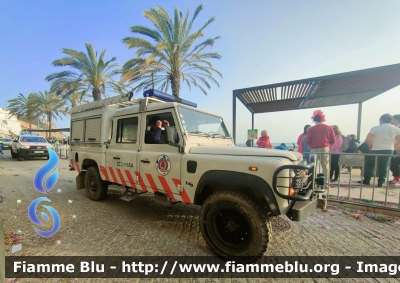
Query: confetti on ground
x=10 y=239
x=59 y=191
x=358 y=214
x=19 y=201
x=73 y=216
x=58 y=242
x=69 y=231
x=69 y=201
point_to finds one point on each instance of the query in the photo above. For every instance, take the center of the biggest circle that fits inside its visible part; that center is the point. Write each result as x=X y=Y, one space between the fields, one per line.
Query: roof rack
x=115 y=102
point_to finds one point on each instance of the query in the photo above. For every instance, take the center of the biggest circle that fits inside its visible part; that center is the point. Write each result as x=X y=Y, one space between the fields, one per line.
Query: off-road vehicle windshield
x=33 y=139
x=201 y=124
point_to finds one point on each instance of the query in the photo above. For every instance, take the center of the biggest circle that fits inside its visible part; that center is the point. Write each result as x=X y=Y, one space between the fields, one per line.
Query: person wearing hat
x=319 y=138
x=155 y=135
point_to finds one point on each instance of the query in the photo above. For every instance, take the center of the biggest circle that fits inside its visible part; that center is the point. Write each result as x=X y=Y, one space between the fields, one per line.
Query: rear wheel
x=96 y=188
x=234 y=226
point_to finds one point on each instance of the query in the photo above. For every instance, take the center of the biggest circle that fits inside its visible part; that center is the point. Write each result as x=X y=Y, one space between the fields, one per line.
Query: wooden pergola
x=333 y=90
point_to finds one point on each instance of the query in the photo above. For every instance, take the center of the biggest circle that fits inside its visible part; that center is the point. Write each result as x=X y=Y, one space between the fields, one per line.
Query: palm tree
x=90 y=73
x=172 y=57
x=50 y=105
x=77 y=98
x=24 y=108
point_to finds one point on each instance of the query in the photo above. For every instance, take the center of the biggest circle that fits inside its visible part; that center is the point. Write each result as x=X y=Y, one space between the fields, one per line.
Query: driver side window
x=156 y=125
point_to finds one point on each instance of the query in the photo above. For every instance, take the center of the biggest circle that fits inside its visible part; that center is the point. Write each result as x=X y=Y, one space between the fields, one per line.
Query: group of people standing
x=382 y=139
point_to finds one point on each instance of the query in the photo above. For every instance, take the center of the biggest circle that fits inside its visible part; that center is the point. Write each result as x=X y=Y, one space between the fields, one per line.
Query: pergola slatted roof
x=332 y=90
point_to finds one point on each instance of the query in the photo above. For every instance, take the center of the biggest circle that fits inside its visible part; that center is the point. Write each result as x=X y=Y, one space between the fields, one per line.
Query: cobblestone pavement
x=143 y=227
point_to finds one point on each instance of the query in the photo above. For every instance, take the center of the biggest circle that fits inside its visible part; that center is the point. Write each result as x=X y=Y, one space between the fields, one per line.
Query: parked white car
x=27 y=146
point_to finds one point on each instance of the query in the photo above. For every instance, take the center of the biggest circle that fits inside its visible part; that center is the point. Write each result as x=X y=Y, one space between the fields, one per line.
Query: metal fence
x=62 y=150
x=349 y=187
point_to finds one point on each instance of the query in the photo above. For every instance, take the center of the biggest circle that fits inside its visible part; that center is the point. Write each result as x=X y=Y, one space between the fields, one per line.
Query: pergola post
x=234 y=118
x=252 y=127
x=359 y=121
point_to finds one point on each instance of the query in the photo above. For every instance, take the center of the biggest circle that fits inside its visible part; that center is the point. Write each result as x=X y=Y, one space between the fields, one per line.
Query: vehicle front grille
x=42 y=147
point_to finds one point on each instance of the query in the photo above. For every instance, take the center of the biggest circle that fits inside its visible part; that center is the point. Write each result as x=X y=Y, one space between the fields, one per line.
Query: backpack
x=345 y=144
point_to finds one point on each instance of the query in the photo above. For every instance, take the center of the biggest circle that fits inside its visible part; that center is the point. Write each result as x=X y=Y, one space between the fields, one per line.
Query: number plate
x=38 y=151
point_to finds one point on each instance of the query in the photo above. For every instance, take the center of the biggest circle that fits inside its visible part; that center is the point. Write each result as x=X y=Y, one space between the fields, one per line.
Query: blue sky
x=262 y=42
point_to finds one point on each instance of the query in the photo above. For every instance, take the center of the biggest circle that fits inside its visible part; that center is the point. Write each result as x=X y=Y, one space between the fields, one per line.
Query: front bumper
x=302 y=209
x=34 y=153
x=6 y=147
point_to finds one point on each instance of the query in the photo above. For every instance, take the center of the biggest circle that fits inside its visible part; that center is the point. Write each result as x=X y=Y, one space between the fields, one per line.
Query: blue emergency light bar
x=167 y=97
x=26 y=133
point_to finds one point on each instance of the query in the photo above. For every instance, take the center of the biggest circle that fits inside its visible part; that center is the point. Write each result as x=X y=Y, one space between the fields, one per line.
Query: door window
x=127 y=130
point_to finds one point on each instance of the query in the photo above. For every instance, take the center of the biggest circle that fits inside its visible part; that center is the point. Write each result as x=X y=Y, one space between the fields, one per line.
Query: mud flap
x=302 y=209
x=80 y=180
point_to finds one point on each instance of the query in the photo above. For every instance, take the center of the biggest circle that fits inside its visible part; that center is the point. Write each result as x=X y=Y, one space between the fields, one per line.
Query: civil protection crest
x=163 y=165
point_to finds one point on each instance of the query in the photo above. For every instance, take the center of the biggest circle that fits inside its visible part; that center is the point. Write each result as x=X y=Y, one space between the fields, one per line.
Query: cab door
x=160 y=164
x=121 y=154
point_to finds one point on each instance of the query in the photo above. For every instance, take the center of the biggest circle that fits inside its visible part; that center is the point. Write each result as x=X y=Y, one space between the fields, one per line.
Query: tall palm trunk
x=49 y=119
x=96 y=94
x=175 y=83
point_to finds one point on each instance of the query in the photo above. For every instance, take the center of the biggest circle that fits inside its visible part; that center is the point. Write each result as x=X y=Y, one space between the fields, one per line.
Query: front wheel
x=234 y=226
x=96 y=188
x=19 y=157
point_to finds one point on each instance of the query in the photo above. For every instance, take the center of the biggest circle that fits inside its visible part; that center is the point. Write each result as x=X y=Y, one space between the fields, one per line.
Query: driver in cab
x=155 y=135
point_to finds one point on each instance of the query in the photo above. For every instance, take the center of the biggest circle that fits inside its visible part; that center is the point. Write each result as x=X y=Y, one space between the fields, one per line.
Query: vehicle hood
x=43 y=145
x=245 y=151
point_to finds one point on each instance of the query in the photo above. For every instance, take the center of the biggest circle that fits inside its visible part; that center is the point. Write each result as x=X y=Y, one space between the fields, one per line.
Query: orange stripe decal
x=113 y=175
x=184 y=195
x=166 y=187
x=104 y=171
x=151 y=181
x=142 y=185
x=128 y=174
x=121 y=177
x=77 y=167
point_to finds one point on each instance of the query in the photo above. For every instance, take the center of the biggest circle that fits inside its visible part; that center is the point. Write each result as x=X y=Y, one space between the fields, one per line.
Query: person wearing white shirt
x=380 y=140
x=395 y=163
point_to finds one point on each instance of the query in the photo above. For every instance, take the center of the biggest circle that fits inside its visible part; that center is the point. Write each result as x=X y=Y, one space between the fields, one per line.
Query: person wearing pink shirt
x=319 y=138
x=335 y=148
x=264 y=141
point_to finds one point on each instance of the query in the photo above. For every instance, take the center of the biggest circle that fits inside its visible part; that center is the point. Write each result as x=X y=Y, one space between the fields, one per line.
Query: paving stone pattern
x=143 y=227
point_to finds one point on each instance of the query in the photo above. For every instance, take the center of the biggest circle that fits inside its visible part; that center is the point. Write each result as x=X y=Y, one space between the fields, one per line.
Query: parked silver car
x=6 y=143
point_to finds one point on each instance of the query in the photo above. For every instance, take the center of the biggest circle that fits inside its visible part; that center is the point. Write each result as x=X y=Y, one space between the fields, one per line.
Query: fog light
x=291 y=191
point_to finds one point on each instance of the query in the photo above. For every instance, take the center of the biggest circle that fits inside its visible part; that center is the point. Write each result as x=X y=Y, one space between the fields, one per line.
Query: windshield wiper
x=222 y=136
x=199 y=132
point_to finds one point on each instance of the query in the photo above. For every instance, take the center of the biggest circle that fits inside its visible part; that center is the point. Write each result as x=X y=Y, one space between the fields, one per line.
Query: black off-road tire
x=96 y=188
x=19 y=157
x=235 y=227
x=13 y=155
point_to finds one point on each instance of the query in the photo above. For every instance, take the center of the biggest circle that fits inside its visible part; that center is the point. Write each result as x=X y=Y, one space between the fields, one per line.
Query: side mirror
x=170 y=135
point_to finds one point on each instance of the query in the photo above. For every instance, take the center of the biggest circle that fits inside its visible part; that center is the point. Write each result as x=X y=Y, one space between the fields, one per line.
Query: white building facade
x=8 y=124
